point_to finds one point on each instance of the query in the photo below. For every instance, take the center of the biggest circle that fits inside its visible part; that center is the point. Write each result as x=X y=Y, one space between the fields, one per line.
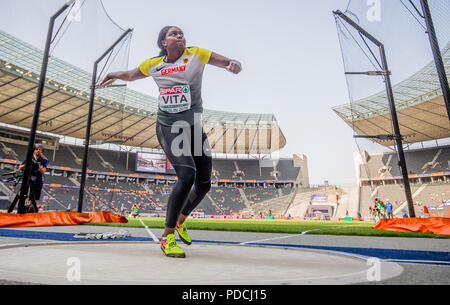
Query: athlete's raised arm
x=127 y=76
x=222 y=62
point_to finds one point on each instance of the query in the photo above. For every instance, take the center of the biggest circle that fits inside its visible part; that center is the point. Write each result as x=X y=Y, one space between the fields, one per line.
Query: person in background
x=404 y=214
x=373 y=211
x=134 y=211
x=381 y=208
x=389 y=211
x=38 y=168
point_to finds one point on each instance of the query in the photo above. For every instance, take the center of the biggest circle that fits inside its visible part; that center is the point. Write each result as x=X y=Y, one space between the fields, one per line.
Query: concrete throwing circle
x=211 y=264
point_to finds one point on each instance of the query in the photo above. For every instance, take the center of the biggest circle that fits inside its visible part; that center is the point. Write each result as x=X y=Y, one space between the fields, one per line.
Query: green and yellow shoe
x=182 y=232
x=170 y=247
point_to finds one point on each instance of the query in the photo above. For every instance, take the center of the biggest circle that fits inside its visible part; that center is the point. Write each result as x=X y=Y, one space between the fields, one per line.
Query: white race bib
x=175 y=99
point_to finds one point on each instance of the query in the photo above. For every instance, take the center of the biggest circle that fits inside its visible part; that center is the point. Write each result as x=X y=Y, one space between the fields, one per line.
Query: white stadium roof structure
x=420 y=106
x=123 y=117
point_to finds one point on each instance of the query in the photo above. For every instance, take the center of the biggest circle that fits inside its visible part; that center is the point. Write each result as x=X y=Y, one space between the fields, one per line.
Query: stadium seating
x=151 y=196
x=225 y=168
x=287 y=169
x=256 y=195
x=12 y=151
x=251 y=169
x=429 y=195
x=228 y=199
x=419 y=161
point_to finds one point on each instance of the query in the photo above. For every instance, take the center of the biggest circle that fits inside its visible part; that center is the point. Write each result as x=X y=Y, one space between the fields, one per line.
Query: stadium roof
x=121 y=116
x=420 y=106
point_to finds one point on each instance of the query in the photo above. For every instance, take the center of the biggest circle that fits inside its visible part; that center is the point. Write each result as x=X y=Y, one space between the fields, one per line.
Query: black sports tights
x=193 y=164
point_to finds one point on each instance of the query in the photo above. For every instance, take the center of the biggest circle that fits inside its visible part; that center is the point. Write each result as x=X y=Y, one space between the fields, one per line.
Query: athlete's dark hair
x=161 y=37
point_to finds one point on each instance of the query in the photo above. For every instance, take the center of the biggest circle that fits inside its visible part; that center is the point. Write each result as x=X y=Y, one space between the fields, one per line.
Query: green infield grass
x=353 y=228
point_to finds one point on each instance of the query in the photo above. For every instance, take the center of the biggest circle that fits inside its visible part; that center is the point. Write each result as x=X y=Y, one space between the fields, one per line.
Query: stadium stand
x=223 y=168
x=428 y=170
x=287 y=169
x=66 y=156
x=227 y=199
x=49 y=179
x=251 y=169
x=256 y=195
x=123 y=162
x=421 y=161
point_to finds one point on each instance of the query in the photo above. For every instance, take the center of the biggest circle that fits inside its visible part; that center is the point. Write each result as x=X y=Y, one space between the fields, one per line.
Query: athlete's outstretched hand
x=108 y=81
x=234 y=67
x=128 y=76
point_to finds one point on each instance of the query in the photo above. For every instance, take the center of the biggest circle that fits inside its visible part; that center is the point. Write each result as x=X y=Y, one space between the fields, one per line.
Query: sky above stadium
x=289 y=50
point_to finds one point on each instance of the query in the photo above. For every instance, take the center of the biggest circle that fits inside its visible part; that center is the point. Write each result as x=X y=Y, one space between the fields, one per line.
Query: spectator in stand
x=388 y=206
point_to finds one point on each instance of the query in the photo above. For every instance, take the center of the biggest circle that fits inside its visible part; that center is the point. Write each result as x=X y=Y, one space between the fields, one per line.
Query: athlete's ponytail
x=161 y=38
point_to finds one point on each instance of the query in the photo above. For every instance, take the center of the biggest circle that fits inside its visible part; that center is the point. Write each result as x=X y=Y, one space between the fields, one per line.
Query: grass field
x=280 y=226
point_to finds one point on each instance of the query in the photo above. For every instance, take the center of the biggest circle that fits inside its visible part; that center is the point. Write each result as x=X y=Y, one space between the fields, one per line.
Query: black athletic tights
x=187 y=148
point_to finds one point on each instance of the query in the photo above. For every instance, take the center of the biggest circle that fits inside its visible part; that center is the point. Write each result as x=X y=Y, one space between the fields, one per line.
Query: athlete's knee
x=203 y=188
x=186 y=176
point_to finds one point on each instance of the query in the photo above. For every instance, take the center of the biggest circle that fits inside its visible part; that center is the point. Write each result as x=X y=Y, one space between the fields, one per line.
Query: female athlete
x=178 y=72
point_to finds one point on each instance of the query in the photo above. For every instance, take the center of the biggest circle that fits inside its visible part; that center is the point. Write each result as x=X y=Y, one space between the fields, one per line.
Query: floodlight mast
x=390 y=95
x=436 y=54
x=40 y=90
x=89 y=121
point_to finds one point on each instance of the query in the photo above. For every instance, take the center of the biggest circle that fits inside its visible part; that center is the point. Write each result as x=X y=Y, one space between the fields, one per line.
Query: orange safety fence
x=435 y=225
x=58 y=219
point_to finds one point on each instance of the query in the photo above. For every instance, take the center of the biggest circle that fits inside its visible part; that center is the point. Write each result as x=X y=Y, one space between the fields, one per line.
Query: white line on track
x=288 y=236
x=149 y=231
x=260 y=240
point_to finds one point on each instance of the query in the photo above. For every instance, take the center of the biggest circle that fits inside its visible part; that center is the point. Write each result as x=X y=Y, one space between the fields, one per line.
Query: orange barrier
x=58 y=219
x=435 y=225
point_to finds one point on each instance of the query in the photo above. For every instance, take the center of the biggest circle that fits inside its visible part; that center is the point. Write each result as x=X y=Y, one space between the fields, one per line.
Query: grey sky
x=289 y=49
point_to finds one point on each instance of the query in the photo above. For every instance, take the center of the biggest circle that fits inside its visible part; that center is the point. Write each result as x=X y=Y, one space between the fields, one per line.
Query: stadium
x=127 y=168
x=242 y=186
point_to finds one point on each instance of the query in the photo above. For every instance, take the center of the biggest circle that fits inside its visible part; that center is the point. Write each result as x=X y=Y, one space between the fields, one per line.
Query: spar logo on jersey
x=175 y=90
x=173 y=69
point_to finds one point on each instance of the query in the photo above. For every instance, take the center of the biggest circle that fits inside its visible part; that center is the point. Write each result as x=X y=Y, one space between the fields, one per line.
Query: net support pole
x=37 y=108
x=89 y=119
x=398 y=137
x=390 y=95
x=437 y=54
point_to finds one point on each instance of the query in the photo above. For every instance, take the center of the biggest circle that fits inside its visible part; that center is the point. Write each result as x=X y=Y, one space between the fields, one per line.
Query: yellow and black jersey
x=179 y=84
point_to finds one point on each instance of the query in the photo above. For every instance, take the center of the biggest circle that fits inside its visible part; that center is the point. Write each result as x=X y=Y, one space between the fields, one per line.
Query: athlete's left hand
x=234 y=67
x=108 y=81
